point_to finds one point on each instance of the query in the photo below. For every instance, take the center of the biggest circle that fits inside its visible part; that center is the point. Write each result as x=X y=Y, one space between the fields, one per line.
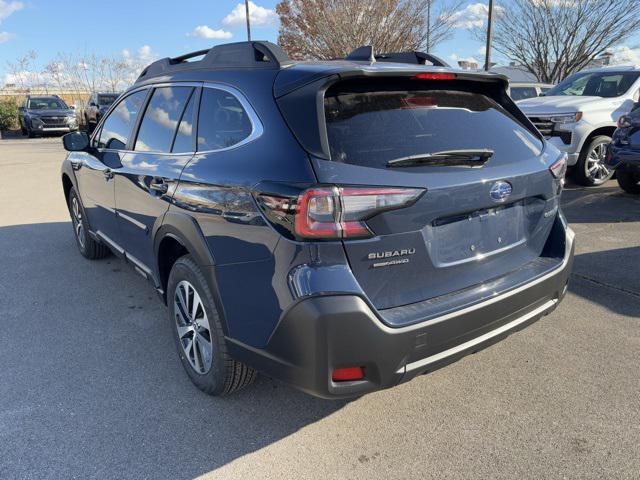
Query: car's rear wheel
x=89 y=248
x=198 y=332
x=629 y=182
x=591 y=169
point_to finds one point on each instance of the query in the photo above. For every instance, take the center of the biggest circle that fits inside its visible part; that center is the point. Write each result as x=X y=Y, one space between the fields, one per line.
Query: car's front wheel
x=629 y=182
x=198 y=332
x=89 y=248
x=591 y=169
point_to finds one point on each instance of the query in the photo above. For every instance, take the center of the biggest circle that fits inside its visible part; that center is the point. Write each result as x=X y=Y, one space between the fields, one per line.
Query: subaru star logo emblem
x=500 y=191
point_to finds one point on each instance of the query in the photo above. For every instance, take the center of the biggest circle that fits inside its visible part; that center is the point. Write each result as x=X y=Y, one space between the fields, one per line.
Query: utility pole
x=246 y=8
x=487 y=54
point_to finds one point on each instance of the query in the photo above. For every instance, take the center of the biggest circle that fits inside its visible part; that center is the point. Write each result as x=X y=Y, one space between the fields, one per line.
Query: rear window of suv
x=369 y=128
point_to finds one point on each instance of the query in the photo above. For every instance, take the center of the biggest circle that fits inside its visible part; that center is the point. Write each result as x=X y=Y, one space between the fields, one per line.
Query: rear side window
x=117 y=126
x=161 y=118
x=369 y=128
x=222 y=122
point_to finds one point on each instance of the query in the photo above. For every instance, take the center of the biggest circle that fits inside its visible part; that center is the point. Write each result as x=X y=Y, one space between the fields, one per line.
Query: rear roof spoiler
x=367 y=54
x=251 y=55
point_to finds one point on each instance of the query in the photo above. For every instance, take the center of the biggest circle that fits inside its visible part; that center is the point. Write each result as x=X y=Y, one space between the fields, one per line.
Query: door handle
x=159 y=186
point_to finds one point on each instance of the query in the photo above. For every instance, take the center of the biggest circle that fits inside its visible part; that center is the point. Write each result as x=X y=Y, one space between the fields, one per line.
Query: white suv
x=579 y=115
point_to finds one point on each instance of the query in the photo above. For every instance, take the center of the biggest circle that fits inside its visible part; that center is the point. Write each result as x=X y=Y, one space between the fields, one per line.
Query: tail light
x=328 y=213
x=559 y=168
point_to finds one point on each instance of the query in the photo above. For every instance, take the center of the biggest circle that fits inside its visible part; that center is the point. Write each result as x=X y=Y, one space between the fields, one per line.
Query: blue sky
x=158 y=28
x=107 y=28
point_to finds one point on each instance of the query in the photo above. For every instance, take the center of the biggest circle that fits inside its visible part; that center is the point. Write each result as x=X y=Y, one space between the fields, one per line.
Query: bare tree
x=440 y=22
x=554 y=38
x=21 y=70
x=117 y=73
x=326 y=29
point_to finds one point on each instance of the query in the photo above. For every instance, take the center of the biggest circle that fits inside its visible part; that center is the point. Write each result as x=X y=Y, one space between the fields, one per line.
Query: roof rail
x=259 y=54
x=366 y=54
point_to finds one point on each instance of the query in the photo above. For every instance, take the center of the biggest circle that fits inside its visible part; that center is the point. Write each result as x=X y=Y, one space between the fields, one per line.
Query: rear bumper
x=319 y=334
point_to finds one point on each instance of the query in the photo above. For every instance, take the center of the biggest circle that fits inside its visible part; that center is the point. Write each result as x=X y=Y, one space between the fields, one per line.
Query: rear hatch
x=489 y=202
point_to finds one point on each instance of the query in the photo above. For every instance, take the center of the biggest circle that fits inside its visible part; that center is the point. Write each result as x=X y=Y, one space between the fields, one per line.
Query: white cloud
x=473 y=15
x=258 y=15
x=145 y=53
x=623 y=54
x=7 y=8
x=203 y=31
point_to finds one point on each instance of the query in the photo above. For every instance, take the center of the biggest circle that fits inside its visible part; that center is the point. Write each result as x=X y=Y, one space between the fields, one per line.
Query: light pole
x=487 y=53
x=246 y=8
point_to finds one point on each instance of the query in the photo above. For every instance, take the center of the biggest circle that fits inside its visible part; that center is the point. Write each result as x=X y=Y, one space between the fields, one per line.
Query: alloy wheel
x=595 y=167
x=78 y=226
x=193 y=327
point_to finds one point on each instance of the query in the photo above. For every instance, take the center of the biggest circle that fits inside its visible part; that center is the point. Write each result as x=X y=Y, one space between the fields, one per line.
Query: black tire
x=225 y=375
x=30 y=133
x=89 y=248
x=23 y=131
x=582 y=168
x=629 y=182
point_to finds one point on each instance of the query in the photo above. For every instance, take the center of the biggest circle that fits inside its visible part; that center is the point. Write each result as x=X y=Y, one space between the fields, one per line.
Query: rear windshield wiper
x=471 y=157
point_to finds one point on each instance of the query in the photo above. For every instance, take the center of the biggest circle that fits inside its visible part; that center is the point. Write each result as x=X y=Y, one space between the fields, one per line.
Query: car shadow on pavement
x=602 y=276
x=605 y=204
x=91 y=384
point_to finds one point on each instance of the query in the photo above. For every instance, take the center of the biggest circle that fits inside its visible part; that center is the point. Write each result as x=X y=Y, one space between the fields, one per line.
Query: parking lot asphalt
x=91 y=385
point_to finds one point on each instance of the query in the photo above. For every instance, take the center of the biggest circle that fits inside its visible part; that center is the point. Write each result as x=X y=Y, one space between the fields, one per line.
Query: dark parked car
x=97 y=105
x=623 y=154
x=46 y=114
x=342 y=226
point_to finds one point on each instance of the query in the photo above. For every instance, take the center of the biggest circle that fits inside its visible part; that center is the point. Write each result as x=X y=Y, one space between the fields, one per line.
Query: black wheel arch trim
x=184 y=229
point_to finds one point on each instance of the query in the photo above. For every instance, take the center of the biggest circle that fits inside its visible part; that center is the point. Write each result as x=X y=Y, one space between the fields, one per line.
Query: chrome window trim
x=256 y=125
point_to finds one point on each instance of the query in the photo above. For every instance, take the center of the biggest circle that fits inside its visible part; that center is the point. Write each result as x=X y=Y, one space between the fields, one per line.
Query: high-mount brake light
x=333 y=212
x=434 y=76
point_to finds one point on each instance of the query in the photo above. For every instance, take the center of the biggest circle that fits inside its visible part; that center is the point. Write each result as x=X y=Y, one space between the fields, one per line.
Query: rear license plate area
x=476 y=235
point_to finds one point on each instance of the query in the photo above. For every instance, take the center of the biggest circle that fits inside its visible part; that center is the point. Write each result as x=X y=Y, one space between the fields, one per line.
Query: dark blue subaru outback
x=342 y=226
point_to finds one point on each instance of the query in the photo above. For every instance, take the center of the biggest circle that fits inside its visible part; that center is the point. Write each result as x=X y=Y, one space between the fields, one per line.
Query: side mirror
x=22 y=109
x=72 y=107
x=93 y=104
x=625 y=121
x=76 y=141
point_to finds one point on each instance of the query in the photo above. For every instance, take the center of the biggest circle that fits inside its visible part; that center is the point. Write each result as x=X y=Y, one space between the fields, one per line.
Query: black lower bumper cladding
x=320 y=334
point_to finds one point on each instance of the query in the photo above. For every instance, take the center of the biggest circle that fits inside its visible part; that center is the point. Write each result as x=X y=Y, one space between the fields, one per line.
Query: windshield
x=106 y=100
x=371 y=128
x=596 y=84
x=46 y=104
